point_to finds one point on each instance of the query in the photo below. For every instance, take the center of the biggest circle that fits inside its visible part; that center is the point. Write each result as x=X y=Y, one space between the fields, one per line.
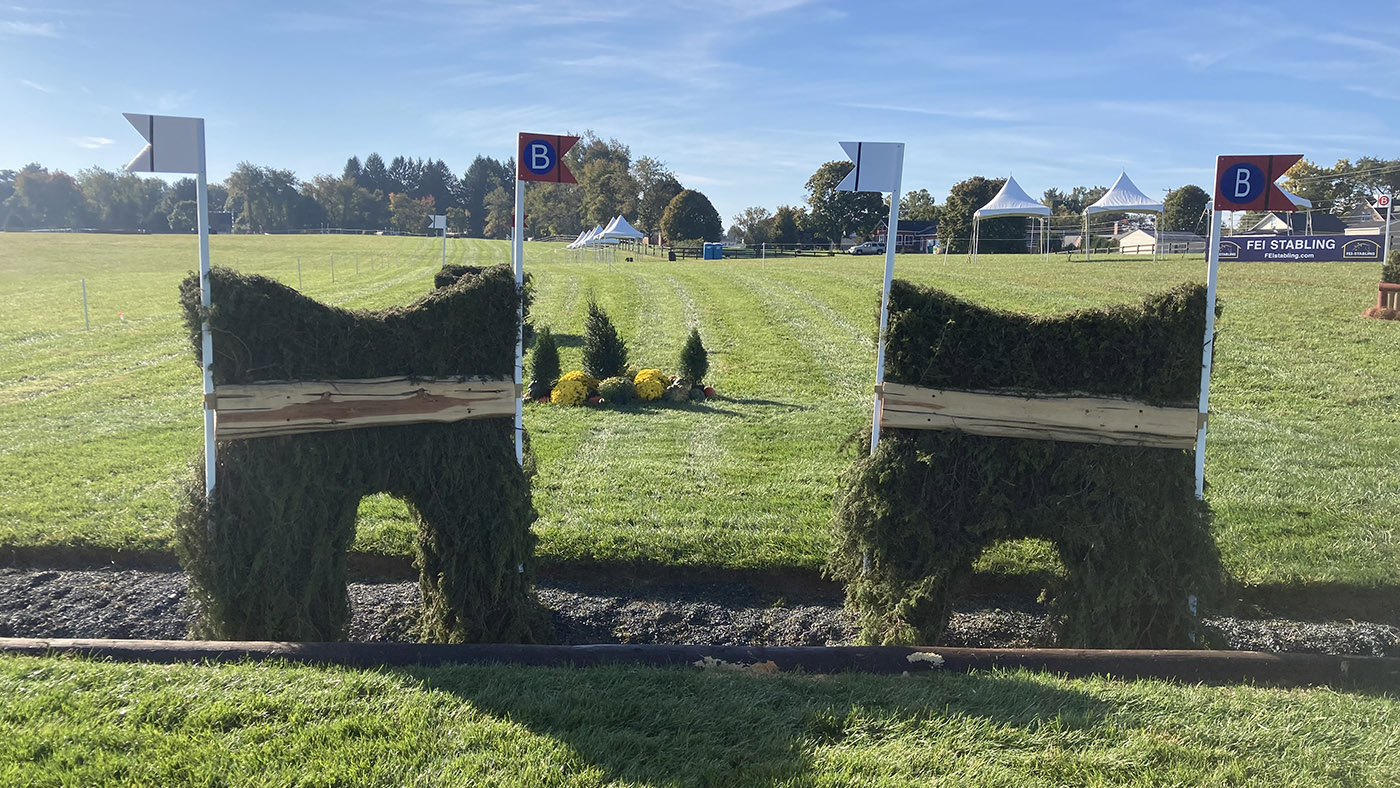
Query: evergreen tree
x=604 y=352
x=544 y=364
x=695 y=360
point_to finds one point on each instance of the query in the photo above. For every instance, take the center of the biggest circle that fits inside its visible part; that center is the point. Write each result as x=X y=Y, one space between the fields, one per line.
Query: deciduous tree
x=835 y=215
x=1182 y=209
x=690 y=216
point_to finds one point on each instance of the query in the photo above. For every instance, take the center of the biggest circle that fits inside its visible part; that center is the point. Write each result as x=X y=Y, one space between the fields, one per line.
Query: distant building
x=1298 y=223
x=1367 y=219
x=1170 y=242
x=912 y=236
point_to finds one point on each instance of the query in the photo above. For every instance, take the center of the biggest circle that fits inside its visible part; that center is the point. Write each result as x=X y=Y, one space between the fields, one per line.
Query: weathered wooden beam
x=1077 y=419
x=264 y=409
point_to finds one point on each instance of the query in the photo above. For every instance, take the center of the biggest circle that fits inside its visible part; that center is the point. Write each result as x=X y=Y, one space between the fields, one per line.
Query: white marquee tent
x=1012 y=200
x=619 y=229
x=1122 y=196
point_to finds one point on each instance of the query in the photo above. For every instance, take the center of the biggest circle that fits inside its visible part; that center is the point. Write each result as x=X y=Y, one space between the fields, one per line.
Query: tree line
x=371 y=195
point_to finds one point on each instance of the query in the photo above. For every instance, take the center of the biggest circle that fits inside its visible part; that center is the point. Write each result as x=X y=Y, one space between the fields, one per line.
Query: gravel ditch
x=144 y=604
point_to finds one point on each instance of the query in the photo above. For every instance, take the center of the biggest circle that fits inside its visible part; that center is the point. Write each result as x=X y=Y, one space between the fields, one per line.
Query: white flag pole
x=1389 y=205
x=1207 y=351
x=207 y=336
x=444 y=245
x=891 y=239
x=517 y=245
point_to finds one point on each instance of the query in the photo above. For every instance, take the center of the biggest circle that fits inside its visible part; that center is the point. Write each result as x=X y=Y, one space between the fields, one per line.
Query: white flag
x=877 y=169
x=172 y=144
x=438 y=221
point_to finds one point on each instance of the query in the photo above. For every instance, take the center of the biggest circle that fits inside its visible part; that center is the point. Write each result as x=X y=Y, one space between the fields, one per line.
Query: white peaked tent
x=619 y=228
x=1122 y=196
x=577 y=242
x=1012 y=200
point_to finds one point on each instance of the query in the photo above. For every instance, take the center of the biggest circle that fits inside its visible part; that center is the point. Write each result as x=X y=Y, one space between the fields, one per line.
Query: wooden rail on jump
x=267 y=408
x=1073 y=418
x=1389 y=296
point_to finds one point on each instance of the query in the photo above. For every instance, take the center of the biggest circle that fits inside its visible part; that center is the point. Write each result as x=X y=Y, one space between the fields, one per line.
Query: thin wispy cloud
x=35 y=86
x=34 y=29
x=986 y=113
x=91 y=143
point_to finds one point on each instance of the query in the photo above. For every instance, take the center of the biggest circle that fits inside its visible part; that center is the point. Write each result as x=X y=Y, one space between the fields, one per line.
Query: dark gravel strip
x=144 y=604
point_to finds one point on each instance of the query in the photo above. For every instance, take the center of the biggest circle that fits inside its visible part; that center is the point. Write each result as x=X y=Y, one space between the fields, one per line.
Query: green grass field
x=96 y=427
x=68 y=723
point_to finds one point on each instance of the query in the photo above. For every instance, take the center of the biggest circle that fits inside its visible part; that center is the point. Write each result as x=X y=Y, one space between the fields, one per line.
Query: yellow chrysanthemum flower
x=569 y=392
x=649 y=388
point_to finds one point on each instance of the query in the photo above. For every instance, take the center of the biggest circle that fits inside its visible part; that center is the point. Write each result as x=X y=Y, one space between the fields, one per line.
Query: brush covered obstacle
x=1001 y=426
x=320 y=406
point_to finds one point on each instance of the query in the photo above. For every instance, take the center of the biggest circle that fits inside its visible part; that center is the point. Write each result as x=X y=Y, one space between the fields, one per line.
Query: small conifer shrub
x=544 y=364
x=604 y=352
x=695 y=360
x=1390 y=271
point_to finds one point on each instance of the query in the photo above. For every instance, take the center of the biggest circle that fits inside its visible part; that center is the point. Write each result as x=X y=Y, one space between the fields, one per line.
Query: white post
x=444 y=245
x=1390 y=204
x=207 y=337
x=87 y=325
x=1207 y=351
x=332 y=267
x=517 y=246
x=885 y=301
x=298 y=272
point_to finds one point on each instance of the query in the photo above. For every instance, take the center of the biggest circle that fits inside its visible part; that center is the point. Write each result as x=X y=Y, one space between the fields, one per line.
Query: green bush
x=1390 y=271
x=695 y=361
x=266 y=554
x=604 y=352
x=617 y=390
x=1135 y=542
x=544 y=362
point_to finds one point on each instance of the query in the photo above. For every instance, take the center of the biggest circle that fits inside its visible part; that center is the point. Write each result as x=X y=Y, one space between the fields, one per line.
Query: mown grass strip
x=73 y=722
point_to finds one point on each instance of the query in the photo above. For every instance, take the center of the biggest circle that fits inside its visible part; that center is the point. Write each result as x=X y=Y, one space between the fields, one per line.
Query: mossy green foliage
x=269 y=561
x=1134 y=540
x=1390 y=271
x=695 y=360
x=1150 y=352
x=604 y=352
x=544 y=361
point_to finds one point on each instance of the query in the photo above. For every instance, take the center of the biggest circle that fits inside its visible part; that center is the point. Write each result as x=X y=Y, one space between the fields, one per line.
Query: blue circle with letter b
x=1242 y=183
x=539 y=156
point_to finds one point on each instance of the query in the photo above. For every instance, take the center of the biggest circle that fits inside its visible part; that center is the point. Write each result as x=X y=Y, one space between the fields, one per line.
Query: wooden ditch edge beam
x=1073 y=418
x=1190 y=666
x=267 y=408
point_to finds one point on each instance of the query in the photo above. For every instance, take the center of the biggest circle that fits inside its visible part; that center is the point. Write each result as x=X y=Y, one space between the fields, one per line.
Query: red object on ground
x=543 y=399
x=709 y=391
x=1389 y=296
x=595 y=399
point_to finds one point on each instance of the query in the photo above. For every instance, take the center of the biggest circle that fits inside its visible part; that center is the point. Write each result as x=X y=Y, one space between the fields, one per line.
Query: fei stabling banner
x=1302 y=248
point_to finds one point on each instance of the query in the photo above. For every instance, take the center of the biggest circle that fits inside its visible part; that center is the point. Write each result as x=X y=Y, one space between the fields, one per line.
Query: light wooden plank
x=1072 y=418
x=268 y=408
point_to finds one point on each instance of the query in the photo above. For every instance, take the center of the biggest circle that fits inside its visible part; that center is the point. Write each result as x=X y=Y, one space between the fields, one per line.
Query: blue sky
x=743 y=99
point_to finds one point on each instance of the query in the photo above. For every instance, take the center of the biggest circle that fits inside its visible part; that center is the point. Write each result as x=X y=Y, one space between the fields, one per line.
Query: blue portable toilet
x=712 y=251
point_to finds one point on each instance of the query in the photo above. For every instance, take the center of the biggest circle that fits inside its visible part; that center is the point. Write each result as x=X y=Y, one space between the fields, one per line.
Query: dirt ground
x=149 y=604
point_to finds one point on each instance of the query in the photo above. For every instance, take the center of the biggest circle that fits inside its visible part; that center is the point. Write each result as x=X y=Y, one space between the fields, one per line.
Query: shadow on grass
x=718 y=727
